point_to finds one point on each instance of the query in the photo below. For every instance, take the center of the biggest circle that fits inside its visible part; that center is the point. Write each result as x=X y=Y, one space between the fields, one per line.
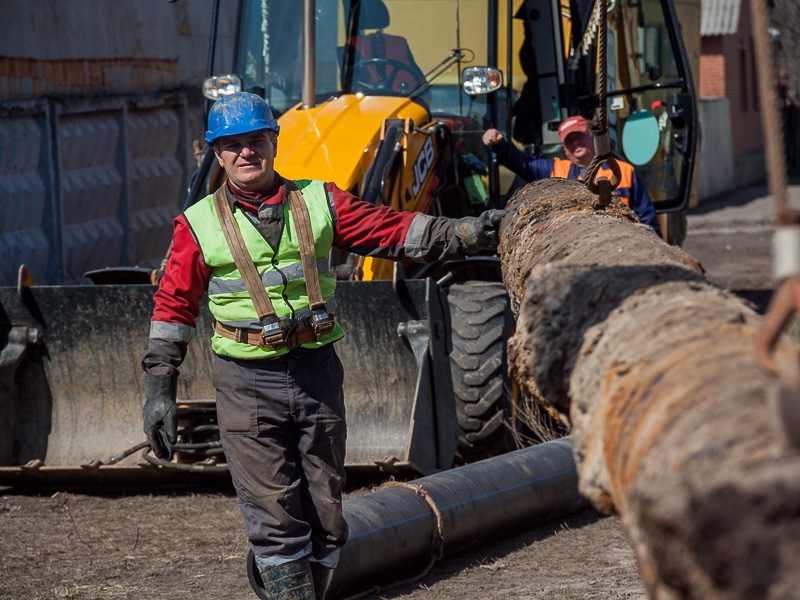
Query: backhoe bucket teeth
x=72 y=388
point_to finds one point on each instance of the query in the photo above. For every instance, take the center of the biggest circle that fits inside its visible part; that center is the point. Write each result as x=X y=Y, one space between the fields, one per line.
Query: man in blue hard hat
x=259 y=248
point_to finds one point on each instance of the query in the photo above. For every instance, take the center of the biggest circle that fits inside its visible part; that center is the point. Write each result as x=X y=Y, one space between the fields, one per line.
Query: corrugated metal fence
x=92 y=184
x=99 y=105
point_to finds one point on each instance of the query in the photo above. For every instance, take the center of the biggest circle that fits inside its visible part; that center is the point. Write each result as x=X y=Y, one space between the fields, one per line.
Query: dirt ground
x=88 y=544
x=192 y=545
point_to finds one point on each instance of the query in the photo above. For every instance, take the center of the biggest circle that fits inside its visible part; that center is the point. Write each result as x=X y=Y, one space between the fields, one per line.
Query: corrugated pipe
x=400 y=530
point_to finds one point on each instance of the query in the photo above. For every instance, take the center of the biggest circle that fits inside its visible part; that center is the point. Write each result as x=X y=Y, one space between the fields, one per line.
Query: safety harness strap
x=308 y=255
x=242 y=259
x=321 y=321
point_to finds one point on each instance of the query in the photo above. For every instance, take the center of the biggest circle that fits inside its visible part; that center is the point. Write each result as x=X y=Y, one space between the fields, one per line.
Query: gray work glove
x=479 y=233
x=160 y=413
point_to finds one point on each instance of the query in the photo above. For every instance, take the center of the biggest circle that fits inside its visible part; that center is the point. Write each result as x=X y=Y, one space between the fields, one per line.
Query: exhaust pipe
x=406 y=527
x=309 y=55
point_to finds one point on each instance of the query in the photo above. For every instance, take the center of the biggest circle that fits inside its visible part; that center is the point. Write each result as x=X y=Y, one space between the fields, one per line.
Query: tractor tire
x=481 y=324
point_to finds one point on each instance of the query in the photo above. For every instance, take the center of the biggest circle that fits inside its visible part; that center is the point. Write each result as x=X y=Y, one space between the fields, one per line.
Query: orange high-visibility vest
x=561 y=168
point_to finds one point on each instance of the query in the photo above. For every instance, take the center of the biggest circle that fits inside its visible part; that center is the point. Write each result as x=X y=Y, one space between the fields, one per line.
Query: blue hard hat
x=238 y=113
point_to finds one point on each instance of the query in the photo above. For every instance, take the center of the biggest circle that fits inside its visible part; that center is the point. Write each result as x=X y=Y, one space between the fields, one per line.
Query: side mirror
x=476 y=81
x=218 y=86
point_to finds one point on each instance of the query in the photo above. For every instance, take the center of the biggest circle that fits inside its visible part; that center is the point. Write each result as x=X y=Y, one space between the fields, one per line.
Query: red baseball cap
x=571 y=125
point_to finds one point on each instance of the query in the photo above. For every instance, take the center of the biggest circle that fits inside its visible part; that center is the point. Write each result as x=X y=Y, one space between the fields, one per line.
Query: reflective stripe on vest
x=561 y=168
x=281 y=271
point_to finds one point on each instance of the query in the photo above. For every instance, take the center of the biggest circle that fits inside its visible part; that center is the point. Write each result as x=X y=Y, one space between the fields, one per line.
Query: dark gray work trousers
x=282 y=424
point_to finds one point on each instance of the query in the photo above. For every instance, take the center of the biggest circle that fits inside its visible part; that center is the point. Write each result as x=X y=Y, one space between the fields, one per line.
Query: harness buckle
x=275 y=332
x=321 y=322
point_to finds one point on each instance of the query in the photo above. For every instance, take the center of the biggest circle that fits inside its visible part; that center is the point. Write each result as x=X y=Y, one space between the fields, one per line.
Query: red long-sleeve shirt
x=359 y=227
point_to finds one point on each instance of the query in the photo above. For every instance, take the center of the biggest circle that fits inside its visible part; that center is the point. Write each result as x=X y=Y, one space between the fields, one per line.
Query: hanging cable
x=600 y=186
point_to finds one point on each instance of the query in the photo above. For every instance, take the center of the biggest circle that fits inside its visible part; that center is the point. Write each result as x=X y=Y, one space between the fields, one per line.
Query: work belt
x=246 y=335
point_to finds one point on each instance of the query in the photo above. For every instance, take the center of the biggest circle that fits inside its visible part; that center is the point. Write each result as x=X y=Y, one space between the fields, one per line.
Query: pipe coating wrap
x=786 y=251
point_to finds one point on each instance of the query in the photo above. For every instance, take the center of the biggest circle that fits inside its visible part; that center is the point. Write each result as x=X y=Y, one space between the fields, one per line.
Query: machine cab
x=650 y=93
x=547 y=52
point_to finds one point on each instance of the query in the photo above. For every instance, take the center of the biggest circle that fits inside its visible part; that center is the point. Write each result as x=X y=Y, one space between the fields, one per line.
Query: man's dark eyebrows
x=257 y=135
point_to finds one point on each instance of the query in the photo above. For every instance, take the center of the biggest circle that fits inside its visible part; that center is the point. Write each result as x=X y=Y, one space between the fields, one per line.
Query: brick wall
x=727 y=70
x=712 y=68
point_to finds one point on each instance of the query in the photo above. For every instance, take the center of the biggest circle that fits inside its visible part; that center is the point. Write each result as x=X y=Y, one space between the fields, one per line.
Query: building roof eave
x=719 y=17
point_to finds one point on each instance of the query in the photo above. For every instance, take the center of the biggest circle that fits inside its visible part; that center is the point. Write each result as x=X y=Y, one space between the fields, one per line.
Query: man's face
x=248 y=159
x=579 y=148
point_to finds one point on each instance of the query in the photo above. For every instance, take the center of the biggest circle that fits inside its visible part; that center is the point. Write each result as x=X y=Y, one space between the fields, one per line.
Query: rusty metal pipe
x=770 y=115
x=399 y=530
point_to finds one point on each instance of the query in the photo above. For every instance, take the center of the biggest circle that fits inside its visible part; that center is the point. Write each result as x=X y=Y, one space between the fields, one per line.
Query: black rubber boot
x=289 y=581
x=322 y=579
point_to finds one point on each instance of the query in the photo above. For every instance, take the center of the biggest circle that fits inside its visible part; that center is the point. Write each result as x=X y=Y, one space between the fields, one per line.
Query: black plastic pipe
x=396 y=532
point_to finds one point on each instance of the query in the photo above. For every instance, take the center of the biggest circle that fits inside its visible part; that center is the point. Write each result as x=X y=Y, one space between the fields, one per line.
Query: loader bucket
x=72 y=388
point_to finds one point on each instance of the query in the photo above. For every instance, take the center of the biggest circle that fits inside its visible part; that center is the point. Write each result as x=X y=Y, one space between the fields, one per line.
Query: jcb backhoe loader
x=388 y=99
